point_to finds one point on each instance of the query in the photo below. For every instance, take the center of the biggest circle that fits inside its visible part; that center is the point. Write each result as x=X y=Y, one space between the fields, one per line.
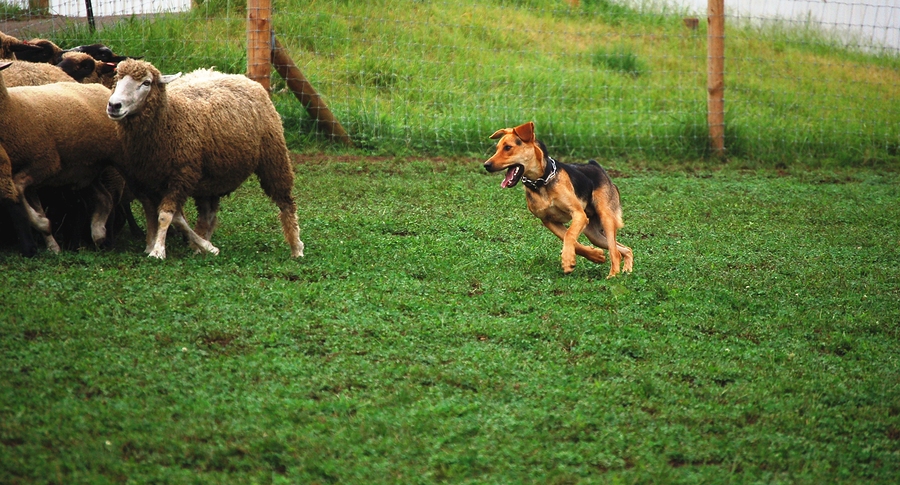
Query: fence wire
x=805 y=80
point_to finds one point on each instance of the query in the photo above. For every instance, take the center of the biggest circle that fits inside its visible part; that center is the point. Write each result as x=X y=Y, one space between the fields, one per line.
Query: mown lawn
x=429 y=336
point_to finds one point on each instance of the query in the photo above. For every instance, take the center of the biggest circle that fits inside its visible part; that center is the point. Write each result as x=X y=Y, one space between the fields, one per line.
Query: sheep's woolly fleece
x=199 y=136
x=23 y=73
x=6 y=43
x=54 y=135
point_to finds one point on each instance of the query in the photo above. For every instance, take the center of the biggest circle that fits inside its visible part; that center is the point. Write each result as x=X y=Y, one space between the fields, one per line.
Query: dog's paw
x=597 y=257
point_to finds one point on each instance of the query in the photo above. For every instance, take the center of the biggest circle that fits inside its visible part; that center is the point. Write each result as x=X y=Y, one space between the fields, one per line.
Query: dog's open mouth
x=513 y=175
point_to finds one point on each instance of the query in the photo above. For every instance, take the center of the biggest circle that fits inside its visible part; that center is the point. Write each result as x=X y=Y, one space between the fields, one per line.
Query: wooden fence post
x=304 y=91
x=263 y=49
x=715 y=81
x=39 y=6
x=259 y=41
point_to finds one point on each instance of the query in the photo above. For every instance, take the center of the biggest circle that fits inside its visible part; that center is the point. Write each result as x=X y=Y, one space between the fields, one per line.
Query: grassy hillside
x=600 y=80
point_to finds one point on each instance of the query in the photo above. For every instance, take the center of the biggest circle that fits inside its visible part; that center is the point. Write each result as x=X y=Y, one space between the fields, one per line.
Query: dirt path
x=37 y=27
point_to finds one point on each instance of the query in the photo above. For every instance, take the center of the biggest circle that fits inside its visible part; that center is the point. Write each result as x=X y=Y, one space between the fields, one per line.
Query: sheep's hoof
x=297 y=251
x=52 y=245
x=158 y=254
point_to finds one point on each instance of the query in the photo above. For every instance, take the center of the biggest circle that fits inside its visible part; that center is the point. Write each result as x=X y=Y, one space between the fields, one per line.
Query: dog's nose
x=488 y=164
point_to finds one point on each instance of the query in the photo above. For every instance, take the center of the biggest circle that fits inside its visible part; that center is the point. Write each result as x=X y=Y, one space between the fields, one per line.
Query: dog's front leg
x=569 y=237
x=593 y=254
x=570 y=241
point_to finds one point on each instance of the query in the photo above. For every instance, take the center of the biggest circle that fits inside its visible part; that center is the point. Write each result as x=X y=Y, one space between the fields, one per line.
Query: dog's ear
x=499 y=133
x=525 y=132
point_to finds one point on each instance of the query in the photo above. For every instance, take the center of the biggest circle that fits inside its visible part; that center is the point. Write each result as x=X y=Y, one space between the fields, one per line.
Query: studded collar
x=550 y=172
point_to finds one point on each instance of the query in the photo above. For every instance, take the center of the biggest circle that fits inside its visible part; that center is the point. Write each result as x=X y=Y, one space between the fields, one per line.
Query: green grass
x=600 y=80
x=11 y=11
x=429 y=336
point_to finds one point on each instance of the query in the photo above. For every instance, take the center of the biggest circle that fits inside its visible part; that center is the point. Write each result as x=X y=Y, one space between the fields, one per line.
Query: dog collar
x=537 y=184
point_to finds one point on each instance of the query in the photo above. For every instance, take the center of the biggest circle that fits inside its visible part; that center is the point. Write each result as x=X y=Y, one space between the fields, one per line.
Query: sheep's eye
x=146 y=83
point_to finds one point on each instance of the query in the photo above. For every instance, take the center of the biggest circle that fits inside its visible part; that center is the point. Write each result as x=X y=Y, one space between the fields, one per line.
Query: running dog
x=560 y=192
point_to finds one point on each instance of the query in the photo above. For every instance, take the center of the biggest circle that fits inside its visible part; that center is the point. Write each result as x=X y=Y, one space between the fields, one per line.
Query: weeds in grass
x=619 y=59
x=414 y=77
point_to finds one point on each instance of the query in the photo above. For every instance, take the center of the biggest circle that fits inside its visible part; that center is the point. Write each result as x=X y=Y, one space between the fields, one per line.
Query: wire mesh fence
x=809 y=80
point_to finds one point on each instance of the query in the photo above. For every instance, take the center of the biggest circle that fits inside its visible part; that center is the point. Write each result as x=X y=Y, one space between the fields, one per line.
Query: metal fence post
x=715 y=82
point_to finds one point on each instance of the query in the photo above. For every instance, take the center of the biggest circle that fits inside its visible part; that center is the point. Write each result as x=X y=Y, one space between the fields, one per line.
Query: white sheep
x=54 y=135
x=201 y=136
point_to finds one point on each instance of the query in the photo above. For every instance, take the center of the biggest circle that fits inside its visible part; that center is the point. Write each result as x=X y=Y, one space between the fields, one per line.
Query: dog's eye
x=507 y=148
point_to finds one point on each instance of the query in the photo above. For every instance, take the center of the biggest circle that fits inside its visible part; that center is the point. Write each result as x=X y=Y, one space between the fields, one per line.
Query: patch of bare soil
x=39 y=26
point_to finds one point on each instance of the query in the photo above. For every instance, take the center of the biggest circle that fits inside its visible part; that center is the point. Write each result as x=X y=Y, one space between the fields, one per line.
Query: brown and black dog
x=560 y=192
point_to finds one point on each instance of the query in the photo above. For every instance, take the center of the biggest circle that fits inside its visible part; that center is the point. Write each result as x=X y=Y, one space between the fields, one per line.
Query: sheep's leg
x=103 y=206
x=9 y=199
x=38 y=218
x=207 y=208
x=150 y=215
x=196 y=240
x=32 y=205
x=277 y=181
x=159 y=244
x=291 y=229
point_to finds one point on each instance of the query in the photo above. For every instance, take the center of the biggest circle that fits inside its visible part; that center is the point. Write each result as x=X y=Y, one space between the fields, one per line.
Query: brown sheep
x=46 y=51
x=85 y=69
x=201 y=136
x=55 y=135
x=22 y=73
x=10 y=45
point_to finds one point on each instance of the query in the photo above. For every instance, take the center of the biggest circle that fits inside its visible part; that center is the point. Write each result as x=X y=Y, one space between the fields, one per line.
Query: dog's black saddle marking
x=585 y=177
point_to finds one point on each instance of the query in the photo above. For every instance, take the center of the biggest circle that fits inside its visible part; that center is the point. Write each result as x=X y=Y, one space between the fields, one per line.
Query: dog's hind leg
x=592 y=254
x=594 y=233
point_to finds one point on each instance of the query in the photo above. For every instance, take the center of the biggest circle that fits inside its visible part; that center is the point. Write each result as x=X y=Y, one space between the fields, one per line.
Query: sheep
x=70 y=211
x=200 y=136
x=10 y=45
x=100 y=52
x=67 y=208
x=54 y=135
x=42 y=50
x=22 y=73
x=86 y=69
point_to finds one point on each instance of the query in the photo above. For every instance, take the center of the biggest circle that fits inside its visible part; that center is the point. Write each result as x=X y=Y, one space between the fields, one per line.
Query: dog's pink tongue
x=511 y=178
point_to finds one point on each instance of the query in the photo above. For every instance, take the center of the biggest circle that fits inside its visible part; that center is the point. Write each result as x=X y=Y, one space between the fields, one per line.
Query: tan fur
x=557 y=203
x=202 y=136
x=55 y=135
x=49 y=52
x=7 y=42
x=90 y=70
x=22 y=73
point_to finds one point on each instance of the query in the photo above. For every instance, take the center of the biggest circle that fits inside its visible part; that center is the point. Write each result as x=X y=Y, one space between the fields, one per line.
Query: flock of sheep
x=88 y=130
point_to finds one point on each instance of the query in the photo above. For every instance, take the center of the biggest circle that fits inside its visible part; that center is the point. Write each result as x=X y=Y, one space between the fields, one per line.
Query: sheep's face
x=131 y=94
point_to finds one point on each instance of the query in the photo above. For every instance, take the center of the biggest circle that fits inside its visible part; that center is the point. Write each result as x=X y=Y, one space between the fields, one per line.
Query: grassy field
x=429 y=336
x=435 y=78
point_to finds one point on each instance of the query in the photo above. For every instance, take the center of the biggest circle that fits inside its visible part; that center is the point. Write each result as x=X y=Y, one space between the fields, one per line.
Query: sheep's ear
x=166 y=79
